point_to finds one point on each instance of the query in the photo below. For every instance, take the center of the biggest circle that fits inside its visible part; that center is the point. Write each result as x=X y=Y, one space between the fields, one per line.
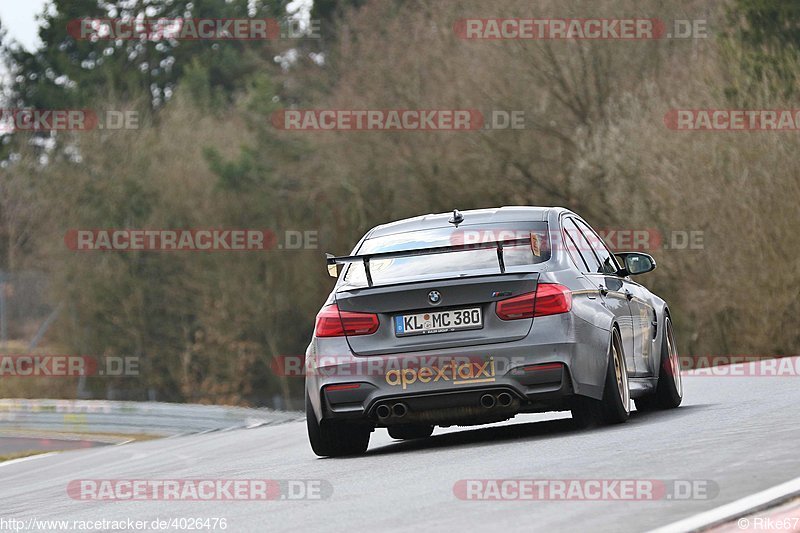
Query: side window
x=572 y=247
x=577 y=244
x=609 y=264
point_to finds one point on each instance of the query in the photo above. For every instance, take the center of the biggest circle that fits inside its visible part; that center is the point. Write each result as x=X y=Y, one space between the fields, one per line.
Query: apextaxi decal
x=457 y=373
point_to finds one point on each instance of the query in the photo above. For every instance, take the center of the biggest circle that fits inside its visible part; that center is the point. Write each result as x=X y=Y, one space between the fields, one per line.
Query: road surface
x=741 y=433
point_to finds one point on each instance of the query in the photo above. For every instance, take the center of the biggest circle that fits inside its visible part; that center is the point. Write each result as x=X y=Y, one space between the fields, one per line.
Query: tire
x=614 y=407
x=332 y=439
x=669 y=389
x=409 y=432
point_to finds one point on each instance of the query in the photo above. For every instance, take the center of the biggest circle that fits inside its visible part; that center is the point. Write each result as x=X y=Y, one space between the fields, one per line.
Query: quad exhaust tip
x=383 y=411
x=504 y=399
x=399 y=410
x=488 y=401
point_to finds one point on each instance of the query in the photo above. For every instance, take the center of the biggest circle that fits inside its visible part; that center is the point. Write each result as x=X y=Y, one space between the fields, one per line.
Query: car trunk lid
x=402 y=308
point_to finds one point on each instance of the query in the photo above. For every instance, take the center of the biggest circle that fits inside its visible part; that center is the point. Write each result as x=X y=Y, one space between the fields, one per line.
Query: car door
x=610 y=287
x=641 y=312
x=644 y=320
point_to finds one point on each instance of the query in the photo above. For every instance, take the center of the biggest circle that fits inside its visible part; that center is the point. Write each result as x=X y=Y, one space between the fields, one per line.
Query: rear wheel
x=614 y=407
x=669 y=390
x=334 y=439
x=411 y=431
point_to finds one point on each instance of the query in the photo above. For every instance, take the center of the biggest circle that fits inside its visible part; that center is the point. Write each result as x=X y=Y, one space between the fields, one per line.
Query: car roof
x=495 y=215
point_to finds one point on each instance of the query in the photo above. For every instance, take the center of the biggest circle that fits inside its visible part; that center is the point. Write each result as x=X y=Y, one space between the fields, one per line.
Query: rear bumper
x=542 y=372
x=548 y=390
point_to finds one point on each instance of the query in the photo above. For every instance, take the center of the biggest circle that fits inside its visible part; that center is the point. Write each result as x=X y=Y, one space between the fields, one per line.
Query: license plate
x=438 y=321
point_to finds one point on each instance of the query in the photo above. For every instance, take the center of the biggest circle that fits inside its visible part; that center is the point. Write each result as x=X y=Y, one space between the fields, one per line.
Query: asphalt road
x=741 y=433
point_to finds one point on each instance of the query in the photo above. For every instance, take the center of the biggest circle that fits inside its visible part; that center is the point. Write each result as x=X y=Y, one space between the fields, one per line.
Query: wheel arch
x=662 y=330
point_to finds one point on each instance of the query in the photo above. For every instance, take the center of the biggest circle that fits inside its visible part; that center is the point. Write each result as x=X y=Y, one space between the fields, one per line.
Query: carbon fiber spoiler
x=332 y=260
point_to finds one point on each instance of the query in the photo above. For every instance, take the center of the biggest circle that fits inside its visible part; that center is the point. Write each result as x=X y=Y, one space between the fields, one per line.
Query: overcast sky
x=18 y=18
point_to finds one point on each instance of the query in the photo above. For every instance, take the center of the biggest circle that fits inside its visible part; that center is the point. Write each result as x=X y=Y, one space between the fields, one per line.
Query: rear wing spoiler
x=333 y=261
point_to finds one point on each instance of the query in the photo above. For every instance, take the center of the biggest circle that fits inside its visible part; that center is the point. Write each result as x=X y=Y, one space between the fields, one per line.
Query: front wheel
x=332 y=439
x=614 y=407
x=669 y=390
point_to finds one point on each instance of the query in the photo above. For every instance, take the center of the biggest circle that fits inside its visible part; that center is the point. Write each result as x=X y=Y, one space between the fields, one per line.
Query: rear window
x=461 y=263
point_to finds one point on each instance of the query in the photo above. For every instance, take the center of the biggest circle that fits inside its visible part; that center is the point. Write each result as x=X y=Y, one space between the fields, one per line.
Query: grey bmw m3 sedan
x=472 y=317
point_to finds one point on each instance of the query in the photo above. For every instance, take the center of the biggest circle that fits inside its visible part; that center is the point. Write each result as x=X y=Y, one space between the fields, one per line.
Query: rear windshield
x=461 y=263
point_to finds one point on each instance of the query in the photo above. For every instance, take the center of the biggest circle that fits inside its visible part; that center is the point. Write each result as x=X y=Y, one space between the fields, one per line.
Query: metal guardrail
x=129 y=418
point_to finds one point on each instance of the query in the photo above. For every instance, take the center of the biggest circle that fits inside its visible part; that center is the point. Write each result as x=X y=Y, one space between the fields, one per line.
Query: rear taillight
x=552 y=299
x=334 y=323
x=549 y=299
x=517 y=307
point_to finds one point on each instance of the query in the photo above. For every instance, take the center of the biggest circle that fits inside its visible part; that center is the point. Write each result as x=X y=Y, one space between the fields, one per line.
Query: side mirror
x=635 y=263
x=333 y=268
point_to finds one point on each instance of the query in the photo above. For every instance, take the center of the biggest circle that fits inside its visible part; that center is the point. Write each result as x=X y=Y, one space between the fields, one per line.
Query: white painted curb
x=747 y=505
